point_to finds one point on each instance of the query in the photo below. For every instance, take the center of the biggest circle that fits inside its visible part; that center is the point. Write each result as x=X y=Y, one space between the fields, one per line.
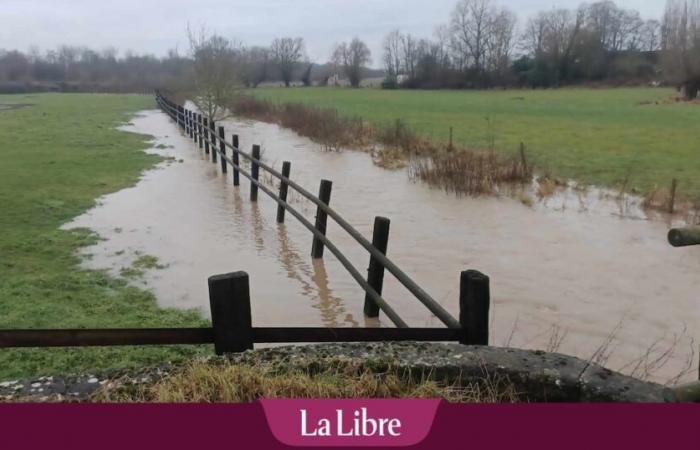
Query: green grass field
x=598 y=136
x=56 y=157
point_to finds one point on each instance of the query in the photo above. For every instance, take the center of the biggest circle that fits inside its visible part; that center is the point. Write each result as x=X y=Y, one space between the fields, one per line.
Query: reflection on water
x=565 y=272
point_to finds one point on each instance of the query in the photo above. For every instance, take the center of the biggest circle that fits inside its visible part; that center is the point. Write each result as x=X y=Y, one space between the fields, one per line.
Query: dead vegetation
x=469 y=173
x=322 y=125
x=646 y=366
x=458 y=170
x=222 y=381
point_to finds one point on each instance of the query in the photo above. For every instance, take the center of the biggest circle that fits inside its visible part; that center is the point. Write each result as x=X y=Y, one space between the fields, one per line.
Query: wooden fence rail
x=232 y=330
x=229 y=294
x=177 y=113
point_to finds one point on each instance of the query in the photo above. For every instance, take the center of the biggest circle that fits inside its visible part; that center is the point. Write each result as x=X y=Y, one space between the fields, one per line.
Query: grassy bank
x=57 y=156
x=254 y=376
x=601 y=136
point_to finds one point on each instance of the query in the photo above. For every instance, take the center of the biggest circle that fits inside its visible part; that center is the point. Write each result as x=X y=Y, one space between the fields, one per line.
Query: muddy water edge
x=569 y=273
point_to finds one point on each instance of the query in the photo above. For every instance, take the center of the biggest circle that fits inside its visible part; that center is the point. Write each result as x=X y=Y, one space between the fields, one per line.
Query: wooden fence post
x=222 y=147
x=195 y=128
x=672 y=200
x=375 y=273
x=286 y=170
x=234 y=156
x=199 y=130
x=255 y=173
x=474 y=303
x=187 y=122
x=205 y=134
x=523 y=159
x=212 y=137
x=324 y=194
x=229 y=300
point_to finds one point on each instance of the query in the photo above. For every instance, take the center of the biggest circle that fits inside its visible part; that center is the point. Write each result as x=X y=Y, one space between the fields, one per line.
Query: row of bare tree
x=82 y=69
x=482 y=46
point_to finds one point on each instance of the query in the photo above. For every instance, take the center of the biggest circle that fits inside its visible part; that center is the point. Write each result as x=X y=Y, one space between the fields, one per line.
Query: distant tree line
x=80 y=69
x=482 y=47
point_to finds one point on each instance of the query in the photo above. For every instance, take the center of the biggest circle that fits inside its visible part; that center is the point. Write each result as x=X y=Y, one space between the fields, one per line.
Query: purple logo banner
x=243 y=426
x=350 y=423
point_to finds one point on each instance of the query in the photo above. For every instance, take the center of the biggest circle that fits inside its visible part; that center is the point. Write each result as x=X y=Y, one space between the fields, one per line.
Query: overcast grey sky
x=154 y=26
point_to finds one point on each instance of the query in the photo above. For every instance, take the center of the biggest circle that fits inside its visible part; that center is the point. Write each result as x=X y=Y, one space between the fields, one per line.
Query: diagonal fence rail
x=229 y=295
x=194 y=125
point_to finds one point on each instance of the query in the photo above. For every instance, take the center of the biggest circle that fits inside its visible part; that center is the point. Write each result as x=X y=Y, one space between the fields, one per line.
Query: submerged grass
x=595 y=136
x=455 y=169
x=56 y=158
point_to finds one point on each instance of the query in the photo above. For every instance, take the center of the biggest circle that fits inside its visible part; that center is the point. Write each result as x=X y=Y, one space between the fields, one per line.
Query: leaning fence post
x=375 y=273
x=286 y=170
x=255 y=173
x=222 y=147
x=205 y=134
x=229 y=300
x=474 y=303
x=324 y=194
x=212 y=134
x=234 y=156
x=195 y=131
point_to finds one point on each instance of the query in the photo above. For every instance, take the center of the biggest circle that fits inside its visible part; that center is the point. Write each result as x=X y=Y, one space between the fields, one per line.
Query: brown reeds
x=322 y=125
x=469 y=172
x=459 y=170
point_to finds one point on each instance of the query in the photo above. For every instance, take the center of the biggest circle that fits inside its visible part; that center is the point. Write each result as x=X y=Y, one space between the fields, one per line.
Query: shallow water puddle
x=565 y=273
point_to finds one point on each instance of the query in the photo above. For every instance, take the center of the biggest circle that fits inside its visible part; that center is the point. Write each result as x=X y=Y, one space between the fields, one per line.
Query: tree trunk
x=690 y=89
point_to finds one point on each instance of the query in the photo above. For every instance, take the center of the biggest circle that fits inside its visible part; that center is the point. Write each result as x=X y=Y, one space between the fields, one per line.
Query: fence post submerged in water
x=375 y=273
x=324 y=194
x=284 y=188
x=205 y=125
x=474 y=304
x=231 y=317
x=199 y=130
x=234 y=158
x=255 y=173
x=222 y=147
x=212 y=137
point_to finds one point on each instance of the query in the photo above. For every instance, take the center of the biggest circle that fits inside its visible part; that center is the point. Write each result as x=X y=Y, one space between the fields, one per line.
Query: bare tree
x=681 y=36
x=533 y=38
x=471 y=21
x=392 y=55
x=650 y=36
x=500 y=42
x=352 y=58
x=409 y=55
x=286 y=53
x=306 y=74
x=255 y=65
x=217 y=76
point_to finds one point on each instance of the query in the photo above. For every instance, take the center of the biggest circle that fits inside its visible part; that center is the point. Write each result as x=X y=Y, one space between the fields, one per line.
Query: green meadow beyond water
x=598 y=136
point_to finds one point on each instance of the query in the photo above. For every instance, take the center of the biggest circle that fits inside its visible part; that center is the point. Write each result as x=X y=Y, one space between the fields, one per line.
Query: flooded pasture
x=572 y=272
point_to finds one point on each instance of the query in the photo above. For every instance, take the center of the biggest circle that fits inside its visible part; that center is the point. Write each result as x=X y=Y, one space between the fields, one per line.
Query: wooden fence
x=229 y=295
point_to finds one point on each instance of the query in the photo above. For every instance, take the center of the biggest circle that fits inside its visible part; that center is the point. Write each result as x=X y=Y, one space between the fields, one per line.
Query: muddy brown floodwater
x=570 y=273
